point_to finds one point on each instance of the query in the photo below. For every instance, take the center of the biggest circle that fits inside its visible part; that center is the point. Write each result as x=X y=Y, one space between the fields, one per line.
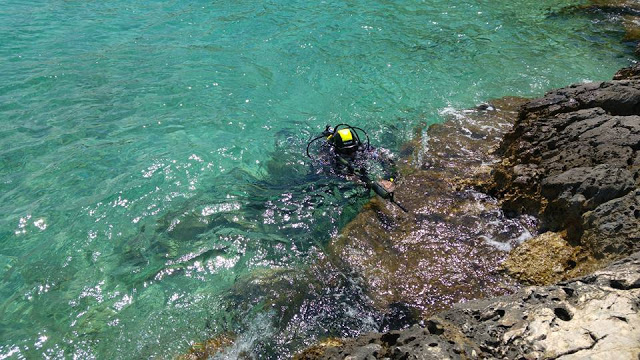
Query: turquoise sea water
x=152 y=170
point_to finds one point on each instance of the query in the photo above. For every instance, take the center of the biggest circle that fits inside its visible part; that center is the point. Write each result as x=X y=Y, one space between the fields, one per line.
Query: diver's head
x=345 y=141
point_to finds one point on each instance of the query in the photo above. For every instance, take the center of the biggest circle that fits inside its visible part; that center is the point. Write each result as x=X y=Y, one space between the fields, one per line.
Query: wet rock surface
x=448 y=247
x=590 y=317
x=628 y=73
x=572 y=159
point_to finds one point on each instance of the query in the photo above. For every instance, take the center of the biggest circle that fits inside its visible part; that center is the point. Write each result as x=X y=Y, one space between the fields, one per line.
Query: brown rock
x=316 y=351
x=547 y=259
x=631 y=72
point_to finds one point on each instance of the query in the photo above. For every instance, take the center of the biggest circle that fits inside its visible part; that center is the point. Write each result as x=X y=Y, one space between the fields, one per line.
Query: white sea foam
x=526 y=235
x=498 y=245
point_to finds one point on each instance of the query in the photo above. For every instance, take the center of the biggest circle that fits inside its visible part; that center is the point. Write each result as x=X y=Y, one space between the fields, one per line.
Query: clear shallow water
x=152 y=153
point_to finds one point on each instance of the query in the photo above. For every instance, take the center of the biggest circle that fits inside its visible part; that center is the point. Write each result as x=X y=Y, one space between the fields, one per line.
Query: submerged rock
x=209 y=348
x=448 y=247
x=591 y=317
x=625 y=12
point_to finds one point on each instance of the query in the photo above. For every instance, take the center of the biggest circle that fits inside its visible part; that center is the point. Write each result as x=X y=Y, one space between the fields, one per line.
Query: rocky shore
x=590 y=317
x=571 y=159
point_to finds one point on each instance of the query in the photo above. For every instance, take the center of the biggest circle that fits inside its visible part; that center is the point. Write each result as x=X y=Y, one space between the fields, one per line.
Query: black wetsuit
x=364 y=161
x=373 y=167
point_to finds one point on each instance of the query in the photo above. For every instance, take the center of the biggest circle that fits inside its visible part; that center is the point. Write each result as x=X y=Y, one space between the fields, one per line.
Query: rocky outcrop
x=590 y=317
x=628 y=73
x=614 y=227
x=573 y=159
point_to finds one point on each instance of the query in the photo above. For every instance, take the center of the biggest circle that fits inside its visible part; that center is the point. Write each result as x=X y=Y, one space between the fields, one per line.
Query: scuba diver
x=346 y=155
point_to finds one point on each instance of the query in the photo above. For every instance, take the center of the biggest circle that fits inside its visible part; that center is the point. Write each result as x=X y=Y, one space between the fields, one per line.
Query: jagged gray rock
x=572 y=151
x=592 y=317
x=613 y=227
x=581 y=189
x=620 y=97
